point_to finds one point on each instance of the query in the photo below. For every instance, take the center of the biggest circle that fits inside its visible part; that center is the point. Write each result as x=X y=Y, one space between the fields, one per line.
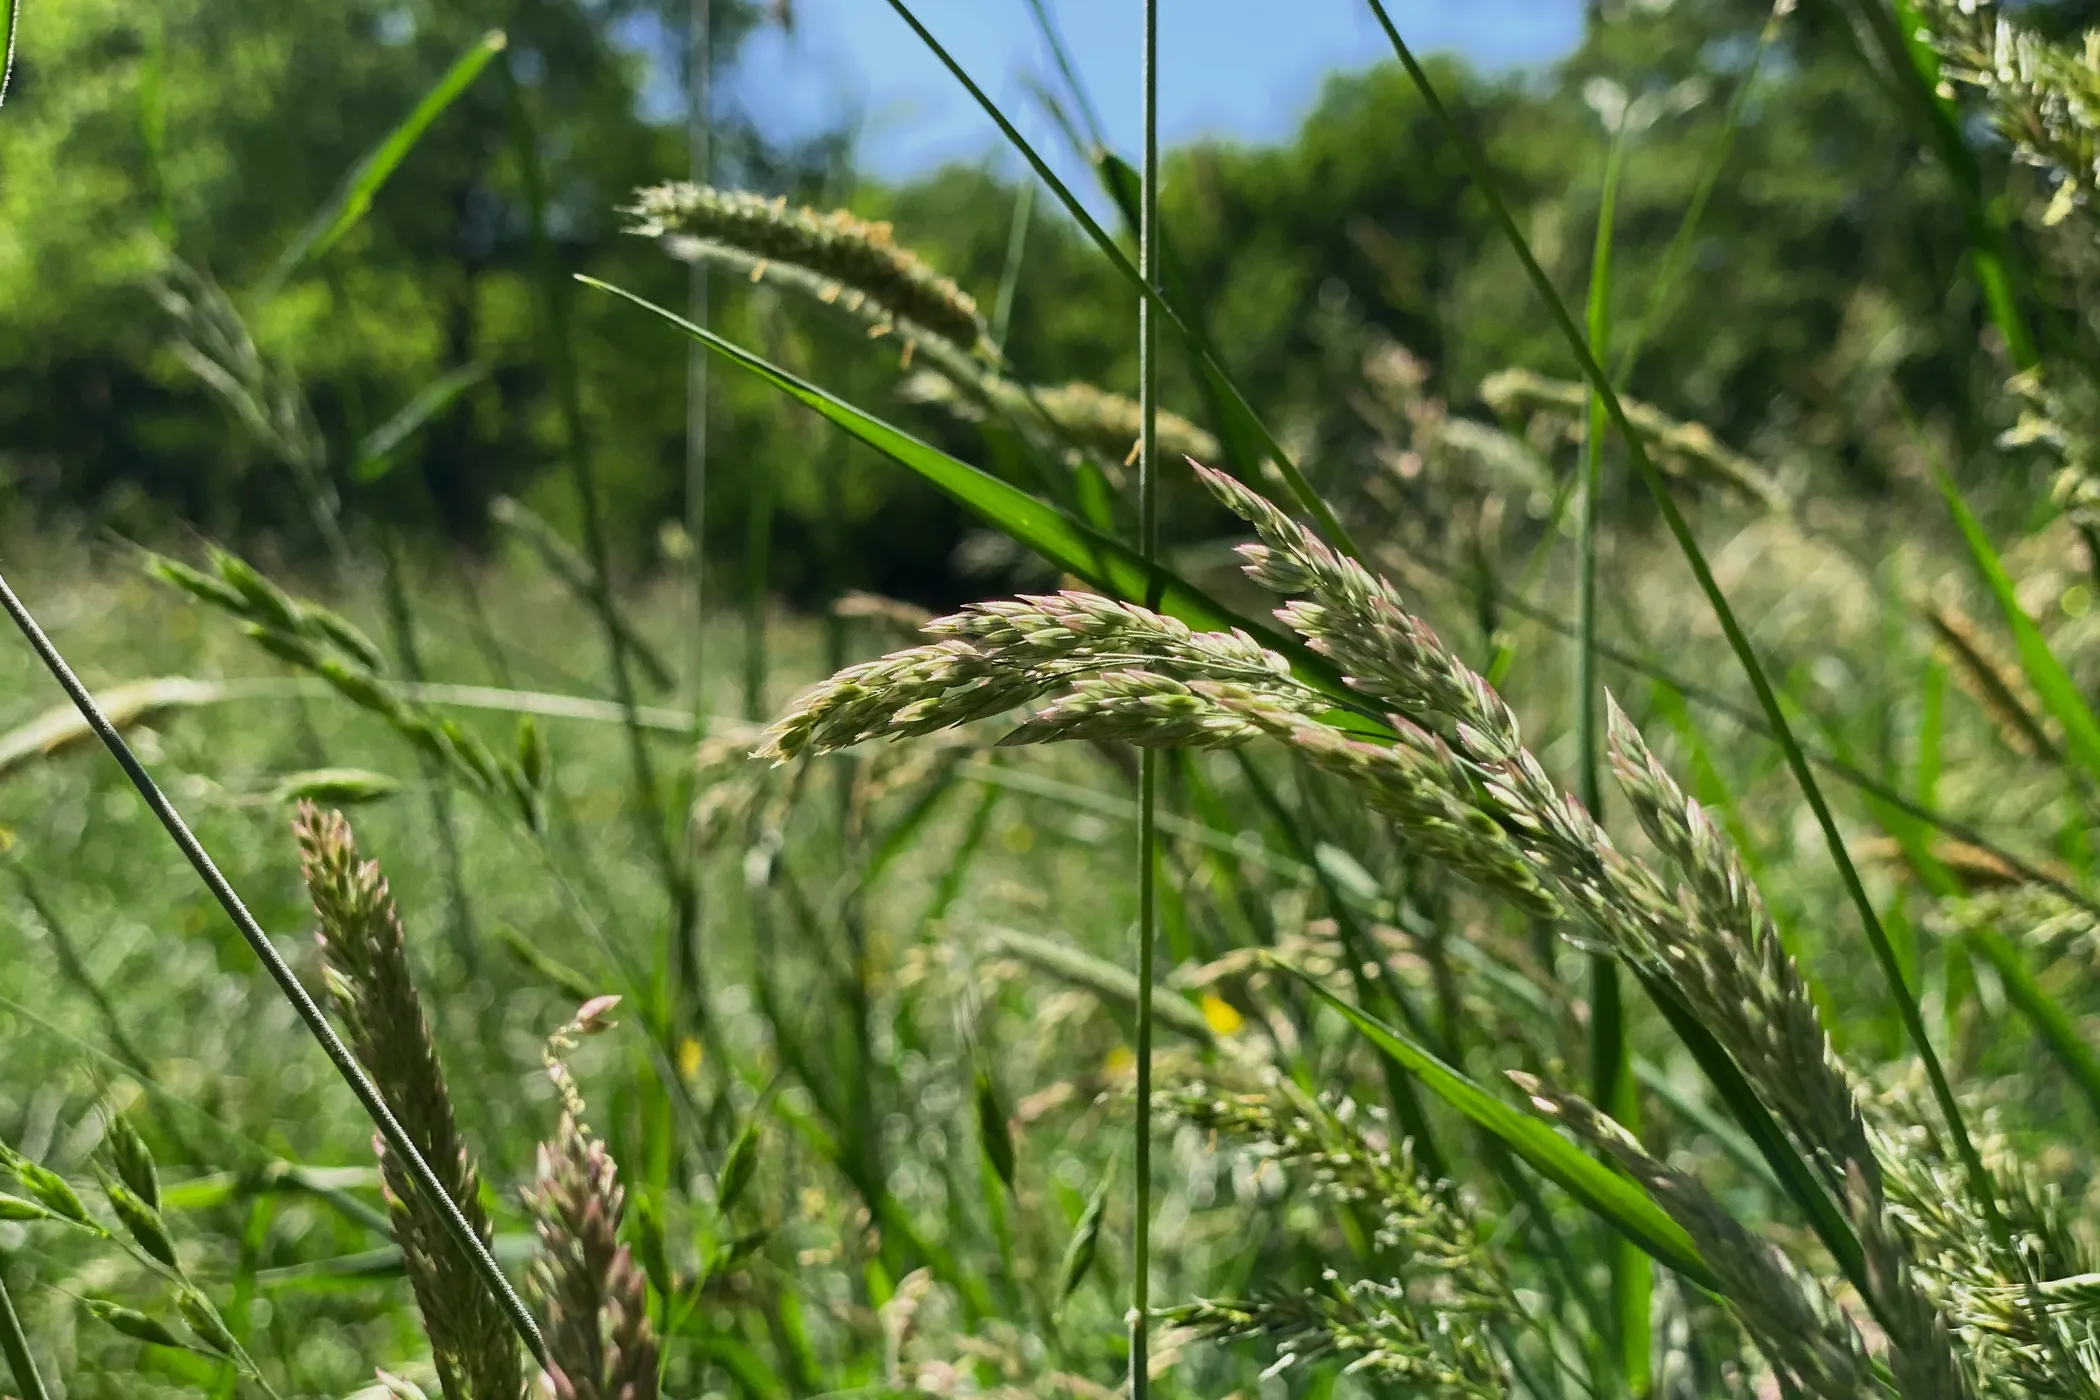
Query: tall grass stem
x=397 y=1140
x=1612 y=1086
x=13 y=1344
x=1148 y=758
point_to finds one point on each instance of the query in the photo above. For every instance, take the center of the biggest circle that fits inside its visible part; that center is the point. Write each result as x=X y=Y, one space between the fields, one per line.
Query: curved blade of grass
x=13 y=19
x=375 y=455
x=1148 y=759
x=1301 y=490
x=1739 y=642
x=2049 y=1020
x=14 y=1345
x=2044 y=672
x=375 y=1105
x=354 y=197
x=1612 y=1085
x=1062 y=57
x=1611 y=1194
x=1076 y=548
x=1791 y=1171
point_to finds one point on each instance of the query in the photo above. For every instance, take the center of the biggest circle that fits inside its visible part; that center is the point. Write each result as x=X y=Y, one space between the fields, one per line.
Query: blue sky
x=1231 y=68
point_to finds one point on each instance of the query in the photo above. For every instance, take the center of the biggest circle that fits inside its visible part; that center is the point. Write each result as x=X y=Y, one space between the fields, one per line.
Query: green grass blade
x=1793 y=1173
x=1148 y=760
x=1076 y=548
x=2044 y=672
x=354 y=197
x=1611 y=1194
x=1301 y=490
x=14 y=1345
x=1738 y=640
x=1062 y=57
x=2050 y=1021
x=375 y=455
x=1010 y=273
x=13 y=19
x=1612 y=1085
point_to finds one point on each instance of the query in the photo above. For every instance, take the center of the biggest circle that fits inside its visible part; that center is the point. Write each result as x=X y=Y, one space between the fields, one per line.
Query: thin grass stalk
x=14 y=1345
x=397 y=1140
x=1010 y=274
x=1611 y=1054
x=699 y=130
x=1147 y=288
x=1148 y=758
x=700 y=159
x=14 y=27
x=1768 y=701
x=1062 y=57
x=554 y=327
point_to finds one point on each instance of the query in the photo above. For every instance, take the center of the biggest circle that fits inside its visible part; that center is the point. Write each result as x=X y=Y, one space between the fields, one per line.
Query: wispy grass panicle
x=1985 y=1290
x=1802 y=1333
x=1739 y=978
x=993 y=657
x=861 y=258
x=365 y=958
x=600 y=1345
x=1429 y=1320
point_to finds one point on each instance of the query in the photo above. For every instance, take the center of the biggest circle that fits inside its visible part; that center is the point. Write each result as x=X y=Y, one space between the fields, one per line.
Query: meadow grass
x=1396 y=1054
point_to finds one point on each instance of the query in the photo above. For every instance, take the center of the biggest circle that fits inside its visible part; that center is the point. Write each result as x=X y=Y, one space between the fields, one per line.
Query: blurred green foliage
x=1827 y=282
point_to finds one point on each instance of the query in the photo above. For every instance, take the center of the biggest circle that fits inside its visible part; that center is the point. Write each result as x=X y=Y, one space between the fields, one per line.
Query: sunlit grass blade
x=1301 y=490
x=2058 y=692
x=1078 y=549
x=354 y=197
x=1738 y=641
x=1613 y=1196
x=375 y=455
